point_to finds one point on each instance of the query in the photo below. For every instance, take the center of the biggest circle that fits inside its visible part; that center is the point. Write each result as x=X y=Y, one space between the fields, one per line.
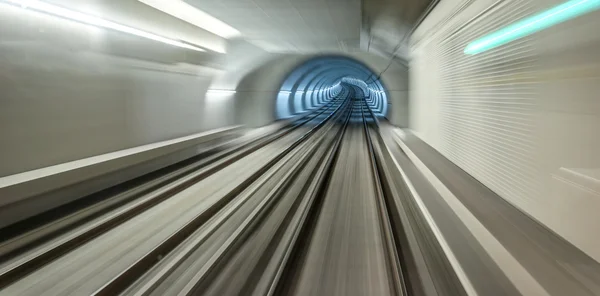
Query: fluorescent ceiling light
x=40 y=6
x=194 y=16
x=533 y=24
x=220 y=91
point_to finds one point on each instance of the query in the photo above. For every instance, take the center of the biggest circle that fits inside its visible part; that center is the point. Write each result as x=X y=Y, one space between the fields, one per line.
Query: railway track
x=305 y=210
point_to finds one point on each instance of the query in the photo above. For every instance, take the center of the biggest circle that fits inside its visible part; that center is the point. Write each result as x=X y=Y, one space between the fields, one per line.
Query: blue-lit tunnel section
x=319 y=80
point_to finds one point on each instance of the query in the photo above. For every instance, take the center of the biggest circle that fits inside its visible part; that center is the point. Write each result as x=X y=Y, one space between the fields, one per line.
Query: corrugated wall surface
x=519 y=118
x=484 y=102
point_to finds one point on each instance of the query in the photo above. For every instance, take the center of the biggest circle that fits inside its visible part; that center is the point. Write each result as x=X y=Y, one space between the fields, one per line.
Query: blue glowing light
x=530 y=25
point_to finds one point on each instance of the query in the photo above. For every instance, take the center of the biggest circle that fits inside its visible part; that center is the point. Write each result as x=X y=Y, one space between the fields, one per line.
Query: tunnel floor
x=330 y=203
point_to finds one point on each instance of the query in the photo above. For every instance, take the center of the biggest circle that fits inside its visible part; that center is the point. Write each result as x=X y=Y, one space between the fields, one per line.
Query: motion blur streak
x=331 y=148
x=95 y=21
x=538 y=22
x=190 y=14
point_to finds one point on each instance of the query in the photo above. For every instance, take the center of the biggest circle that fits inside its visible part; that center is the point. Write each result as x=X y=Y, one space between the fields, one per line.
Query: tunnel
x=299 y=147
x=314 y=82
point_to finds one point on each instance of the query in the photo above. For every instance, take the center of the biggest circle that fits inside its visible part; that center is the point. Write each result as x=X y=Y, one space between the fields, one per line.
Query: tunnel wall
x=523 y=118
x=257 y=91
x=396 y=81
x=70 y=91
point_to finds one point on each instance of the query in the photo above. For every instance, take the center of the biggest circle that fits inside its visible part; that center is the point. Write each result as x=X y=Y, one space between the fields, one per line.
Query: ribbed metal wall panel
x=485 y=103
x=523 y=118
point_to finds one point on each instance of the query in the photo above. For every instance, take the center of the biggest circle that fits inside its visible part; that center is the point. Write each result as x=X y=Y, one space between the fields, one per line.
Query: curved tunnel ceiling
x=318 y=80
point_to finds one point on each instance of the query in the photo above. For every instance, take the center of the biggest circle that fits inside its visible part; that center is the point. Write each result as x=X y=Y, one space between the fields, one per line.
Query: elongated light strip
x=533 y=24
x=44 y=7
x=194 y=16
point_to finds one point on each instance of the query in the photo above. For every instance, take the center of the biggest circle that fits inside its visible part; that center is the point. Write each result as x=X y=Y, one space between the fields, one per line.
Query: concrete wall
x=257 y=91
x=526 y=125
x=395 y=80
x=69 y=91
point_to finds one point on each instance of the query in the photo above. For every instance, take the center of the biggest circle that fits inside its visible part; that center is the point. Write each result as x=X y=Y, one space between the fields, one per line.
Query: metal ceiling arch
x=303 y=85
x=347 y=70
x=376 y=90
x=374 y=84
x=303 y=77
x=378 y=106
x=316 y=81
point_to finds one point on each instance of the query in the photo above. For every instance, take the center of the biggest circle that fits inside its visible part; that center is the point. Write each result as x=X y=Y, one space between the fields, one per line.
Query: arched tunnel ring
x=317 y=81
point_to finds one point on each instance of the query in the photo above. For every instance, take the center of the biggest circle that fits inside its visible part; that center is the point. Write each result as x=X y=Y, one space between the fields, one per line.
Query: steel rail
x=133 y=272
x=172 y=184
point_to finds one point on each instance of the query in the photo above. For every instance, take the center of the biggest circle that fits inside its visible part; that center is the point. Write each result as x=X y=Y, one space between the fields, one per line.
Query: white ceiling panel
x=291 y=25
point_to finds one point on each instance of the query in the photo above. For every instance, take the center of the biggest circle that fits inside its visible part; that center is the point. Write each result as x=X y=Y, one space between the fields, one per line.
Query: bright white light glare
x=194 y=16
x=95 y=21
x=285 y=92
x=220 y=91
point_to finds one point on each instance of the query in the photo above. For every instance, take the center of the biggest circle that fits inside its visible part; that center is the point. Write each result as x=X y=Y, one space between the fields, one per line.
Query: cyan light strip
x=528 y=26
